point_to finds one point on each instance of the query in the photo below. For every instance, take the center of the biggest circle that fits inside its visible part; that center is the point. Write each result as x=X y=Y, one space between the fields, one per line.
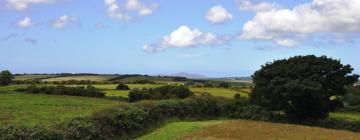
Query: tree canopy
x=6 y=77
x=302 y=86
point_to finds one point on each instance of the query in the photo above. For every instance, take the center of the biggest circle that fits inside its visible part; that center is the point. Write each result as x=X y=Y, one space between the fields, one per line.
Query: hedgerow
x=87 y=91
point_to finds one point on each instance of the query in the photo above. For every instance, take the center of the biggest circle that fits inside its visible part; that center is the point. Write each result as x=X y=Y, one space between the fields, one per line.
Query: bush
x=127 y=120
x=163 y=92
x=252 y=112
x=352 y=98
x=142 y=82
x=224 y=85
x=10 y=132
x=88 y=91
x=5 y=78
x=302 y=86
x=122 y=87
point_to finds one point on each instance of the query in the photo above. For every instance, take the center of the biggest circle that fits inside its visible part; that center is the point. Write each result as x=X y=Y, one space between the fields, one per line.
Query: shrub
x=5 y=78
x=11 y=132
x=163 y=92
x=352 y=98
x=142 y=82
x=302 y=86
x=252 y=112
x=138 y=94
x=88 y=91
x=224 y=85
x=122 y=87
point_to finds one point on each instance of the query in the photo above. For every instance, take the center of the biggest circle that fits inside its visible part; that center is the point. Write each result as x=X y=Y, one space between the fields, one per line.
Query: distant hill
x=188 y=75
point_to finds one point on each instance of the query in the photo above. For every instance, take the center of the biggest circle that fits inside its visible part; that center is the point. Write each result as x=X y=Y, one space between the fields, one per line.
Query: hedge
x=87 y=91
x=123 y=121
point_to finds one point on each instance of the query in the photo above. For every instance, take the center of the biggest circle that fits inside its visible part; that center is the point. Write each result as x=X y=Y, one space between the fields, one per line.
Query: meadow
x=46 y=110
x=32 y=110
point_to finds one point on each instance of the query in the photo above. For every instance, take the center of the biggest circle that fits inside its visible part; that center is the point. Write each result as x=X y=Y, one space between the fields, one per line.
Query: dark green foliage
x=181 y=79
x=138 y=94
x=87 y=91
x=9 y=132
x=122 y=87
x=352 y=98
x=5 y=78
x=253 y=113
x=302 y=86
x=208 y=85
x=163 y=92
x=142 y=82
x=224 y=85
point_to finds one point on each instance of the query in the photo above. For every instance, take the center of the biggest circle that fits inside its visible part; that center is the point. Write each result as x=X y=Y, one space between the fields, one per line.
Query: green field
x=223 y=92
x=348 y=116
x=244 y=129
x=177 y=129
x=37 y=109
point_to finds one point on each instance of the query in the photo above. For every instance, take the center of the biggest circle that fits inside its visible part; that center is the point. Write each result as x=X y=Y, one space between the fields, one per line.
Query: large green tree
x=5 y=77
x=302 y=86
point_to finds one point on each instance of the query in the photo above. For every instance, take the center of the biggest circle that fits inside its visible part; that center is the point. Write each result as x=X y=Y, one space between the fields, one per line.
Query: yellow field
x=86 y=77
x=223 y=92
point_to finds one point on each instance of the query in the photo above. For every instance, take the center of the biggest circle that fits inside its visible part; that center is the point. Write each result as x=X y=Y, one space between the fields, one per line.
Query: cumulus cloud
x=64 y=20
x=248 y=5
x=124 y=11
x=218 y=15
x=26 y=22
x=21 y=5
x=285 y=27
x=184 y=37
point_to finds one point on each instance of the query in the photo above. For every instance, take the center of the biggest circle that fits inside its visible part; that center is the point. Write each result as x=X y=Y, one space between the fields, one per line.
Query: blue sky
x=214 y=37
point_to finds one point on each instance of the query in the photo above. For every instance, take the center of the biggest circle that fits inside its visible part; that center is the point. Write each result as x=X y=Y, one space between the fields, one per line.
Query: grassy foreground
x=177 y=129
x=47 y=110
x=255 y=130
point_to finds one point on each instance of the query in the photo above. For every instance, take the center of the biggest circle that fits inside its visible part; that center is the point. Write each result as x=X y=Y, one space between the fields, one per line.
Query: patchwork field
x=255 y=130
x=78 y=78
x=32 y=77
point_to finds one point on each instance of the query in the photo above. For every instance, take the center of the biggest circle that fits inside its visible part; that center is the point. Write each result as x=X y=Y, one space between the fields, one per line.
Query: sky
x=216 y=38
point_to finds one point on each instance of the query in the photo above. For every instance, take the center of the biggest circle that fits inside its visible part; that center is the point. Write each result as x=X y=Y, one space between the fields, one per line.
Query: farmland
x=32 y=110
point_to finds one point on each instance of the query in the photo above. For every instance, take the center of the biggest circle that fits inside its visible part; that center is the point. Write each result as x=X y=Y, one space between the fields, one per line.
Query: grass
x=46 y=110
x=255 y=130
x=348 y=116
x=177 y=129
x=81 y=77
x=223 y=92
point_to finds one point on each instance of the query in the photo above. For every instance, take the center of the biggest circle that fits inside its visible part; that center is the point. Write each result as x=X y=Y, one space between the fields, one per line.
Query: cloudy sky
x=209 y=37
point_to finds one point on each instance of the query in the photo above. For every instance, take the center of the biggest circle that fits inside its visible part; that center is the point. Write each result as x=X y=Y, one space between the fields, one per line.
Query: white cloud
x=218 y=15
x=26 y=22
x=184 y=37
x=305 y=20
x=25 y=4
x=64 y=20
x=248 y=5
x=124 y=11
